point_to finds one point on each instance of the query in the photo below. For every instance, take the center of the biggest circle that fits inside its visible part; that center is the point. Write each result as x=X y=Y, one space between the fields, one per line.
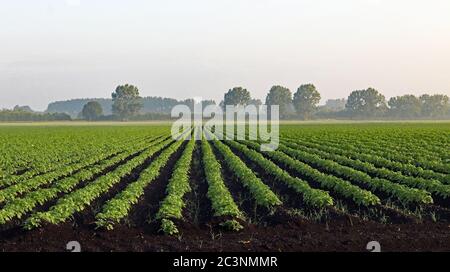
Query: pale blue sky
x=59 y=49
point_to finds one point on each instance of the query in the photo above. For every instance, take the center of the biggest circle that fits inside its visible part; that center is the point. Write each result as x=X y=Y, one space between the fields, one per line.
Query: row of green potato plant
x=11 y=192
x=261 y=192
x=24 y=158
x=37 y=154
x=79 y=199
x=402 y=193
x=433 y=186
x=114 y=210
x=173 y=204
x=388 y=152
x=331 y=183
x=418 y=157
x=406 y=169
x=26 y=151
x=313 y=197
x=19 y=207
x=46 y=165
x=328 y=182
x=405 y=142
x=222 y=202
x=57 y=161
x=429 y=142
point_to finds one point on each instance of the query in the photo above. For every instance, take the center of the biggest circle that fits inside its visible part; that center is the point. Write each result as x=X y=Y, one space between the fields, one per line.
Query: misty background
x=62 y=49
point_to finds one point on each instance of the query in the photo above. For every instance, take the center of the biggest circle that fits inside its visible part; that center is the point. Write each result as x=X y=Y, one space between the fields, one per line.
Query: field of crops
x=132 y=187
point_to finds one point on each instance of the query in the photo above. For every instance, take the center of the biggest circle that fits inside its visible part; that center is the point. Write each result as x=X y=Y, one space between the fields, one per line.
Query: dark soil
x=337 y=235
x=143 y=214
x=198 y=206
x=283 y=230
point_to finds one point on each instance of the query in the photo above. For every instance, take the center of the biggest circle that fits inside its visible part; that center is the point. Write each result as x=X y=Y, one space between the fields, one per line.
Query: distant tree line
x=361 y=104
x=371 y=104
x=150 y=105
x=126 y=104
x=300 y=105
x=27 y=115
x=74 y=107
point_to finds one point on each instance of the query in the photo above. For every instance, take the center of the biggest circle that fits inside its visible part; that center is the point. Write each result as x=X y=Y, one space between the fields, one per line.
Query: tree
x=23 y=108
x=434 y=105
x=281 y=96
x=255 y=102
x=237 y=96
x=24 y=116
x=92 y=111
x=222 y=105
x=406 y=106
x=126 y=101
x=366 y=103
x=334 y=105
x=190 y=102
x=305 y=100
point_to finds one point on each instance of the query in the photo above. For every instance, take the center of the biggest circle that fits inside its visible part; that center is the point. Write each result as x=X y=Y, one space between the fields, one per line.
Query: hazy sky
x=59 y=49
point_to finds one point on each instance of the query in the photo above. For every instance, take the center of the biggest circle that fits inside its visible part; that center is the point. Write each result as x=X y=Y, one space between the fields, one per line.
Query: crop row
x=222 y=202
x=173 y=204
x=312 y=197
x=403 y=193
x=406 y=169
x=419 y=157
x=416 y=143
x=433 y=186
x=327 y=182
x=418 y=160
x=37 y=151
x=27 y=151
x=419 y=149
x=20 y=206
x=45 y=166
x=78 y=200
x=11 y=192
x=261 y=192
x=118 y=207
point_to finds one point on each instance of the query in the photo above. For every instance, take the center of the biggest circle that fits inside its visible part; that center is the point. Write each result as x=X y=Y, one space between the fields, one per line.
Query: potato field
x=328 y=187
